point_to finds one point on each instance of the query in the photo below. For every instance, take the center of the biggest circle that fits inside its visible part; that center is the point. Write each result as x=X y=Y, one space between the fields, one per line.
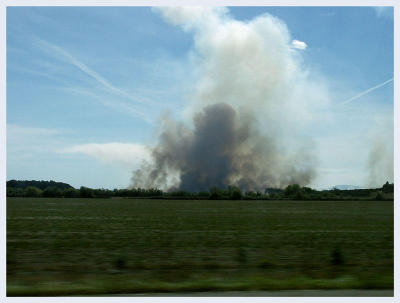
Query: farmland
x=60 y=246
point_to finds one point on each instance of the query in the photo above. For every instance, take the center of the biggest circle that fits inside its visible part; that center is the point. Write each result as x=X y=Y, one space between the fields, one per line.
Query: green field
x=59 y=246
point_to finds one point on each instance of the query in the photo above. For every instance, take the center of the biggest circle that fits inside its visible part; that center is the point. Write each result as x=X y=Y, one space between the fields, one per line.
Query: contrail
x=120 y=105
x=367 y=91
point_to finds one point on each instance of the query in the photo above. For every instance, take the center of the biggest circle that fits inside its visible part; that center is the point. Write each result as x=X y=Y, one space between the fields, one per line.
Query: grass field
x=109 y=246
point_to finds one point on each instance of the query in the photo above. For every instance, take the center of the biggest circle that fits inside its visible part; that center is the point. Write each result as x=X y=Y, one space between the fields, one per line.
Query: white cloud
x=299 y=44
x=127 y=155
x=48 y=154
x=15 y=131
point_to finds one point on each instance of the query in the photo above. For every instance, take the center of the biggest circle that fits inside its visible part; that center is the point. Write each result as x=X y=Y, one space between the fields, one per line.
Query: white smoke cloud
x=128 y=155
x=299 y=44
x=190 y=17
x=248 y=64
x=380 y=159
x=252 y=67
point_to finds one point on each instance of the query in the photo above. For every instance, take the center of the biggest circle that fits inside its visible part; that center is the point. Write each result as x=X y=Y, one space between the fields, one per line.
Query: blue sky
x=86 y=87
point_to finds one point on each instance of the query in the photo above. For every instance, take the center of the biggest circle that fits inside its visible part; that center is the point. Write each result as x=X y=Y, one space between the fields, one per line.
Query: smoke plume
x=380 y=162
x=225 y=148
x=245 y=119
x=380 y=158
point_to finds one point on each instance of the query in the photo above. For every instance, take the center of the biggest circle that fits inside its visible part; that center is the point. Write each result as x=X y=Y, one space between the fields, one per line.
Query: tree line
x=38 y=184
x=291 y=192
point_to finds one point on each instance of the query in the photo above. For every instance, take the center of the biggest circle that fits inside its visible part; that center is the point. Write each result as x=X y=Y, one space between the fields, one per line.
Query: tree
x=86 y=192
x=250 y=195
x=51 y=192
x=15 y=192
x=204 y=194
x=32 y=191
x=102 y=193
x=70 y=193
x=308 y=190
x=234 y=193
x=388 y=188
x=215 y=193
x=292 y=190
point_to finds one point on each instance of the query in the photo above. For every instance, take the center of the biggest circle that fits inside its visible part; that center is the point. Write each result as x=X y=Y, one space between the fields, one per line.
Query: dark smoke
x=224 y=148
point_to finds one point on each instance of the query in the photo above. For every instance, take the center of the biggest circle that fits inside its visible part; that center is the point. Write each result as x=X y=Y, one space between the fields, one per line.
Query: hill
x=22 y=184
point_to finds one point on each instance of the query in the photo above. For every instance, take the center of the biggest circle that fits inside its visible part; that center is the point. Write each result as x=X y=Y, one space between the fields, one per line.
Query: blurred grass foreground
x=60 y=246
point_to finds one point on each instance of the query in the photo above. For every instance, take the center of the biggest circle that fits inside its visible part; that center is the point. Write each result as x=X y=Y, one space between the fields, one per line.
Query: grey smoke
x=380 y=161
x=224 y=148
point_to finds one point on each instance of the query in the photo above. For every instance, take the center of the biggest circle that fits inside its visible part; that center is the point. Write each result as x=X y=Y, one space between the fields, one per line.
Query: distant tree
x=388 y=188
x=15 y=192
x=121 y=192
x=155 y=192
x=32 y=191
x=102 y=193
x=234 y=193
x=51 y=192
x=273 y=195
x=250 y=195
x=180 y=193
x=308 y=190
x=70 y=193
x=12 y=183
x=215 y=193
x=292 y=190
x=204 y=194
x=39 y=184
x=336 y=191
x=300 y=195
x=259 y=194
x=86 y=192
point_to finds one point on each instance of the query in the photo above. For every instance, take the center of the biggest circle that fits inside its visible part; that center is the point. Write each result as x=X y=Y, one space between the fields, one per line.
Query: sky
x=87 y=87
